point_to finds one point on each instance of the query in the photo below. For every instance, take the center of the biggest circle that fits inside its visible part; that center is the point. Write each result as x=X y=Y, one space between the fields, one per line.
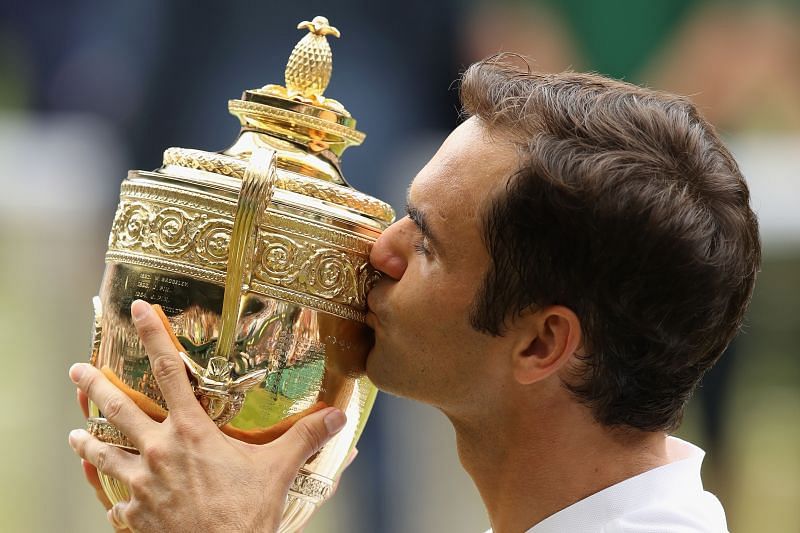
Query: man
x=575 y=257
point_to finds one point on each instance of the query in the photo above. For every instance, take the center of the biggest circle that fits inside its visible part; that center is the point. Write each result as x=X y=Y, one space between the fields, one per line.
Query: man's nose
x=389 y=254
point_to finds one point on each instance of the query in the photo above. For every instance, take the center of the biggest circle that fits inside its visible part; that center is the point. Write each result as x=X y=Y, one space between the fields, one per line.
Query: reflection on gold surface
x=257 y=259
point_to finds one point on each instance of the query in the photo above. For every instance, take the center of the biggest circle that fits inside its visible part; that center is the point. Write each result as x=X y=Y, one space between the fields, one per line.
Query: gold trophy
x=258 y=256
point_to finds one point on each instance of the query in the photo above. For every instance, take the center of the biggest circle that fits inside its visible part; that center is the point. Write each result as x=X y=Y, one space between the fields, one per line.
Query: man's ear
x=548 y=338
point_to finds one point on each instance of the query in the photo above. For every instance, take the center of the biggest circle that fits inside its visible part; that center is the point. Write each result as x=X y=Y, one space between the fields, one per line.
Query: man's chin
x=375 y=372
x=382 y=372
x=370 y=363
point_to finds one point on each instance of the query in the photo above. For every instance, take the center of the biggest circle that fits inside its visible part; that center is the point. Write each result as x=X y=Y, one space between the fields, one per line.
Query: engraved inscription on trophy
x=169 y=292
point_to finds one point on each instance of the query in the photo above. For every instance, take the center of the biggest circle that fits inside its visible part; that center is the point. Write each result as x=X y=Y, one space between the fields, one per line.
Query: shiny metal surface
x=259 y=257
x=308 y=355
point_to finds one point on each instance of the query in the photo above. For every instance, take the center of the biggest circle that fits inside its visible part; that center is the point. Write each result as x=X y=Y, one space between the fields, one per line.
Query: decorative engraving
x=224 y=209
x=235 y=168
x=130 y=224
x=367 y=277
x=310 y=487
x=213 y=239
x=220 y=395
x=305 y=266
x=328 y=235
x=268 y=112
x=328 y=306
x=210 y=205
x=172 y=232
x=103 y=430
x=302 y=262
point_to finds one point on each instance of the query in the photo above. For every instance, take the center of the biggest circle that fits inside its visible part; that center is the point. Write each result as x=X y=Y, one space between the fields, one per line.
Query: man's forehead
x=442 y=189
x=466 y=169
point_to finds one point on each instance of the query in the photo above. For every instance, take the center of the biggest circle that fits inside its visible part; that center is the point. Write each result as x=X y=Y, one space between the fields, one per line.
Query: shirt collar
x=680 y=476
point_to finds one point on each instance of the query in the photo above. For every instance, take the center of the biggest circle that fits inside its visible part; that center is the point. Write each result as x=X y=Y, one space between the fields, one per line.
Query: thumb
x=309 y=434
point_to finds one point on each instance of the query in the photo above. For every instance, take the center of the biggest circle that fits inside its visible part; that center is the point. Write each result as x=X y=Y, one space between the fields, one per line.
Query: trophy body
x=258 y=256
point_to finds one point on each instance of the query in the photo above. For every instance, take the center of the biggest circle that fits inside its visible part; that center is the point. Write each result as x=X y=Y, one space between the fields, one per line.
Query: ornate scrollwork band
x=189 y=234
x=269 y=112
x=311 y=487
x=330 y=192
x=103 y=430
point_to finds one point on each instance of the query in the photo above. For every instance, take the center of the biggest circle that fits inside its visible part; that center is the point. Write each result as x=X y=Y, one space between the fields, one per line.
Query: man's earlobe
x=553 y=337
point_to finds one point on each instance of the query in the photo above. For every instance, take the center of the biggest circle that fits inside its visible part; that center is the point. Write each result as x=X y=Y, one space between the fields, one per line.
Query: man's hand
x=189 y=475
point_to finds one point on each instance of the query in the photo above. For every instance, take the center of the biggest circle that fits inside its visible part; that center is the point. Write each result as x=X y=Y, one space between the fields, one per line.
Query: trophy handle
x=255 y=194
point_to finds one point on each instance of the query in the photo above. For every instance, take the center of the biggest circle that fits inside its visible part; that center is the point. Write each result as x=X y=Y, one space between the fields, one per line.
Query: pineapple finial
x=310 y=64
x=309 y=68
x=319 y=26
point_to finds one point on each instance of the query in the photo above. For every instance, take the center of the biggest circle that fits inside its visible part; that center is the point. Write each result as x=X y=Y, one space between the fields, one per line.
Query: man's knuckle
x=187 y=431
x=155 y=457
x=112 y=407
x=137 y=483
x=166 y=365
x=101 y=458
x=185 y=428
x=150 y=450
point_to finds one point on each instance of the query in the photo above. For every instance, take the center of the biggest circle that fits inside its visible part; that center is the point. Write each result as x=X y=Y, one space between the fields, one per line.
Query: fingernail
x=334 y=421
x=76 y=371
x=139 y=309
x=73 y=437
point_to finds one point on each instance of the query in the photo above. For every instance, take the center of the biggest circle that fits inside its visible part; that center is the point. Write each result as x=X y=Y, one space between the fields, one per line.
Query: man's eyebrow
x=418 y=217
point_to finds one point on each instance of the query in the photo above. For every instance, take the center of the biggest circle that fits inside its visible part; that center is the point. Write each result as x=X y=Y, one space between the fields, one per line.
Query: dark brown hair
x=629 y=210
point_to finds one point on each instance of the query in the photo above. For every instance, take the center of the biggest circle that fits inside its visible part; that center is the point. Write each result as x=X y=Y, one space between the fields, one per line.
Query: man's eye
x=421 y=246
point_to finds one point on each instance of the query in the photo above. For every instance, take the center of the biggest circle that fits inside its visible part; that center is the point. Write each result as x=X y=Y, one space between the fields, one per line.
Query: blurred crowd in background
x=89 y=89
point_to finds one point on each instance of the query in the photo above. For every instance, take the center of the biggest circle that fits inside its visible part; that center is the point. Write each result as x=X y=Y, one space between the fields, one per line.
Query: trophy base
x=295 y=515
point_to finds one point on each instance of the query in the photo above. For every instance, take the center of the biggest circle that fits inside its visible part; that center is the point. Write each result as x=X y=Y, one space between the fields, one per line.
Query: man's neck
x=539 y=460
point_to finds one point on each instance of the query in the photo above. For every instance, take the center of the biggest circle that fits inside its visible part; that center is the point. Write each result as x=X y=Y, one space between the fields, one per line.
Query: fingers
x=309 y=434
x=107 y=459
x=116 y=515
x=112 y=402
x=168 y=368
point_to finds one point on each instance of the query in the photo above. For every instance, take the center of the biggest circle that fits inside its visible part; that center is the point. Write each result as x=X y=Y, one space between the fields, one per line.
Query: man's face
x=434 y=261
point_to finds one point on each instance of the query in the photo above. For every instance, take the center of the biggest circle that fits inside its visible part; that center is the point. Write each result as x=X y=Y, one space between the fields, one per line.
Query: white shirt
x=667 y=499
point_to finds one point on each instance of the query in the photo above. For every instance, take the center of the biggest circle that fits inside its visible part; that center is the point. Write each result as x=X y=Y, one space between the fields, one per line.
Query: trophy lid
x=308 y=131
x=298 y=111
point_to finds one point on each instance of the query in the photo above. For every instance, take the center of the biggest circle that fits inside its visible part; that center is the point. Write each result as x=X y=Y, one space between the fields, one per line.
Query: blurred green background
x=89 y=89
